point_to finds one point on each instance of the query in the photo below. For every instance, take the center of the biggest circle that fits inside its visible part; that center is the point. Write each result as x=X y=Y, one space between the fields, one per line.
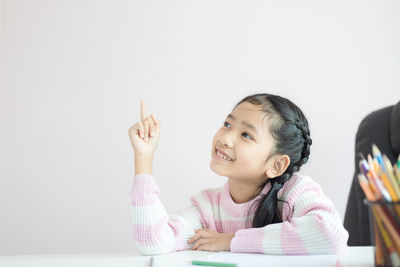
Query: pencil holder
x=384 y=221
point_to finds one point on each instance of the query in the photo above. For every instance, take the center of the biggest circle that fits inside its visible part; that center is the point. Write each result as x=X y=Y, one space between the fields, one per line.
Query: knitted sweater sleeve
x=312 y=225
x=153 y=230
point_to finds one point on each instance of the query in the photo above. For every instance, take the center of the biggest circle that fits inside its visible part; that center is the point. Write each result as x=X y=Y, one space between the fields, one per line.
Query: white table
x=356 y=256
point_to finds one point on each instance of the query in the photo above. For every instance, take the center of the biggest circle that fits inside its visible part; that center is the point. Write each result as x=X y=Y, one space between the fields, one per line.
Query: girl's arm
x=153 y=230
x=313 y=226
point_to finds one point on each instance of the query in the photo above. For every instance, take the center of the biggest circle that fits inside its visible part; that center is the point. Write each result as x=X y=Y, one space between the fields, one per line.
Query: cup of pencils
x=380 y=181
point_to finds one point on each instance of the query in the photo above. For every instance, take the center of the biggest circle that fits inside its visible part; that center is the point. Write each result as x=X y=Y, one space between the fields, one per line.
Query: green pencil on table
x=203 y=263
x=210 y=263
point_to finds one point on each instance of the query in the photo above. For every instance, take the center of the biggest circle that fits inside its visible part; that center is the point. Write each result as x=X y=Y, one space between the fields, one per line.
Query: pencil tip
x=375 y=150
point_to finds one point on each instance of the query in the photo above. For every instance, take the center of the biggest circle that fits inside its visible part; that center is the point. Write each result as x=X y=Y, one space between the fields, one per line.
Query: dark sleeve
x=395 y=130
x=373 y=129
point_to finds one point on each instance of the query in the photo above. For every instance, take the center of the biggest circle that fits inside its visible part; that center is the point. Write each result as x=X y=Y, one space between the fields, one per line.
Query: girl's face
x=246 y=142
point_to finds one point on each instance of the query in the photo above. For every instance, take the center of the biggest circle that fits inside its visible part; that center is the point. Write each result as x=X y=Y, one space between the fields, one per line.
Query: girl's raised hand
x=145 y=134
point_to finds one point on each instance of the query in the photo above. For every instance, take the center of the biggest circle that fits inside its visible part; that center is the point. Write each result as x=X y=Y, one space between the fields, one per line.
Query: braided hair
x=289 y=128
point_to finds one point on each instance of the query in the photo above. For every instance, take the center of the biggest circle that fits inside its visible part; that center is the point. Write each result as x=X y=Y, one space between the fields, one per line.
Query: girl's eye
x=247 y=136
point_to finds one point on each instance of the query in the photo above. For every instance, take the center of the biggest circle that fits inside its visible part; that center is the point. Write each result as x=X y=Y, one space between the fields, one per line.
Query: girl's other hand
x=211 y=240
x=145 y=134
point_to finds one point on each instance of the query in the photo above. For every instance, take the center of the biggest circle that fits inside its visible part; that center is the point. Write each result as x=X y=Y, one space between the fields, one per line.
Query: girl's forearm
x=143 y=164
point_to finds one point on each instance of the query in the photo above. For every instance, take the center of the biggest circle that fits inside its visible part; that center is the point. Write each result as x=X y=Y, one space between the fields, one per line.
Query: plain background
x=72 y=74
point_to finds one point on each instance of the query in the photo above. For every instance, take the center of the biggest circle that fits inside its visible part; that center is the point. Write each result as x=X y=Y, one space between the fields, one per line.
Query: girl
x=266 y=206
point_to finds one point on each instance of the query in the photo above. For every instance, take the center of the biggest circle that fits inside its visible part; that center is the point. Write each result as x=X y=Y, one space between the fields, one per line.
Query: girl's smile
x=221 y=156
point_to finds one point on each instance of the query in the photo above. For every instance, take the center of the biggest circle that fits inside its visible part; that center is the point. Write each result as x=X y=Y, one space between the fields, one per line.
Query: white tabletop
x=356 y=256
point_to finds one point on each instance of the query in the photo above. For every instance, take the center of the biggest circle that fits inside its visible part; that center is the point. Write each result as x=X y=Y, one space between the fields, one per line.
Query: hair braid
x=305 y=153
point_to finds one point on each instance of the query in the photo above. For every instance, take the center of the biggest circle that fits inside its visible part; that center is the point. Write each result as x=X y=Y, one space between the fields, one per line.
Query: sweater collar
x=239 y=209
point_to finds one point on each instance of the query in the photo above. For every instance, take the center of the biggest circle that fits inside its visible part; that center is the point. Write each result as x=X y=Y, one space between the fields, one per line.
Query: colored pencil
x=397 y=172
x=398 y=162
x=364 y=185
x=210 y=263
x=373 y=165
x=391 y=176
x=378 y=155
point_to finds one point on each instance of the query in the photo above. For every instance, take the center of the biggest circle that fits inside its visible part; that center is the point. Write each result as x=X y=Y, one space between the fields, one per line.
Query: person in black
x=381 y=127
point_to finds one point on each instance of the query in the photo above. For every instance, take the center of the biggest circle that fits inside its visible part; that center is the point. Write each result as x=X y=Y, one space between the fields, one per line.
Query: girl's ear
x=277 y=165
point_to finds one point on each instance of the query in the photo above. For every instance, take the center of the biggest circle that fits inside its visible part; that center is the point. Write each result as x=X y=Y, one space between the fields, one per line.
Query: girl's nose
x=227 y=140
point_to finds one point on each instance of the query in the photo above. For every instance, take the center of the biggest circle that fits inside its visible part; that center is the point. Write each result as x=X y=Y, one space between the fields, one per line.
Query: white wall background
x=72 y=74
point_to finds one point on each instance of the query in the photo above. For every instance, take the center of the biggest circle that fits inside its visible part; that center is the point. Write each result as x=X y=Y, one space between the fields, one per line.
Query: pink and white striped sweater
x=311 y=225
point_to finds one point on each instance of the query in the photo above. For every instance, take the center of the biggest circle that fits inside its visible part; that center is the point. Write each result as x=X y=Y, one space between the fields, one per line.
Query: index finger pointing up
x=142 y=110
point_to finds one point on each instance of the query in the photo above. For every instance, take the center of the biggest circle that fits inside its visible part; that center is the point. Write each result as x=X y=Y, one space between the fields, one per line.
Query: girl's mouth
x=219 y=156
